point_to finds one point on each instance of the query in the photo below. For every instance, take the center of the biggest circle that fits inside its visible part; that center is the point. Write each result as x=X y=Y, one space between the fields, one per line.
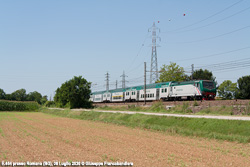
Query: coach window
x=161 y=90
x=165 y=89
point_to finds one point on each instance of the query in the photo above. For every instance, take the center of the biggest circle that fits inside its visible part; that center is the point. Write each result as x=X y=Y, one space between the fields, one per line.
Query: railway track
x=173 y=103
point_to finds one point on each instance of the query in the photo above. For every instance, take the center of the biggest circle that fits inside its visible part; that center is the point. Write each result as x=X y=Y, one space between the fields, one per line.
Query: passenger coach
x=189 y=90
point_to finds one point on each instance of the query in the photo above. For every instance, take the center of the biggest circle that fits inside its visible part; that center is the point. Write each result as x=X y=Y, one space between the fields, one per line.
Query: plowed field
x=40 y=137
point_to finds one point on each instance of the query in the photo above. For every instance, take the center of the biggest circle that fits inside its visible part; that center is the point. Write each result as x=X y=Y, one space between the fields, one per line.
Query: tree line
x=75 y=93
x=21 y=95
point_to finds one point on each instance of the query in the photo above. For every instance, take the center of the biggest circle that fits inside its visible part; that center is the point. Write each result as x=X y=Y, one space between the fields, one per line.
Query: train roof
x=135 y=88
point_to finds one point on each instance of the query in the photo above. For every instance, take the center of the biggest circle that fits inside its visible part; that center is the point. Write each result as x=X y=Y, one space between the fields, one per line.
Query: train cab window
x=162 y=90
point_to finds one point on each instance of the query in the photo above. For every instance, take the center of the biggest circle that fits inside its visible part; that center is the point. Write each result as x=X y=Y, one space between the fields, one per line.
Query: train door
x=137 y=96
x=171 y=91
x=157 y=94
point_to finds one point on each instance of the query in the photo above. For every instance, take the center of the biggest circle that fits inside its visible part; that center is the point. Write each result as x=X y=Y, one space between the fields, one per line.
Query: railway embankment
x=215 y=107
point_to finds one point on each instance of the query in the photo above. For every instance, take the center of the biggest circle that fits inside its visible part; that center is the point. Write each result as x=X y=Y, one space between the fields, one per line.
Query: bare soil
x=41 y=137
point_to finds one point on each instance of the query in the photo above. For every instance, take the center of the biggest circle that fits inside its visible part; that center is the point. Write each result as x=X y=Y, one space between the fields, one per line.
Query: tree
x=8 y=97
x=44 y=99
x=34 y=96
x=172 y=72
x=227 y=90
x=75 y=93
x=203 y=75
x=244 y=87
x=2 y=94
x=19 y=95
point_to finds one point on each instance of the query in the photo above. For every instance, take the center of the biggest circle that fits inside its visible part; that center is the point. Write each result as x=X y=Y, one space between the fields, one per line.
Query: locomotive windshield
x=208 y=85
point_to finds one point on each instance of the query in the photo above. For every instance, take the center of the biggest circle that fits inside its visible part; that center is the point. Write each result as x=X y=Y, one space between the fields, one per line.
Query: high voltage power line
x=216 y=54
x=217 y=35
x=207 y=17
x=241 y=11
x=222 y=67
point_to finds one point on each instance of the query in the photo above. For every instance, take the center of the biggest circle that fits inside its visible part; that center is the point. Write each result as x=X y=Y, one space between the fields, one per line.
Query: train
x=167 y=91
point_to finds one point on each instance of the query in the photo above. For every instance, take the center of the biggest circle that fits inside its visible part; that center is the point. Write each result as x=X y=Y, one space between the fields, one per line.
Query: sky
x=45 y=43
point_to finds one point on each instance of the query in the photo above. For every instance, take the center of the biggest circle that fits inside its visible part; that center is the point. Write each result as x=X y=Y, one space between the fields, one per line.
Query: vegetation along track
x=200 y=103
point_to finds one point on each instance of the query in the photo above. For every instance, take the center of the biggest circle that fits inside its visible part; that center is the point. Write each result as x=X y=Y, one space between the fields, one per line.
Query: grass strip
x=230 y=130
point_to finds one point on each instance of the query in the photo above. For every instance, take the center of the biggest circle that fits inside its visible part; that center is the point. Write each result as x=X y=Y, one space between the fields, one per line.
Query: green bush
x=50 y=104
x=18 y=106
x=195 y=103
x=158 y=107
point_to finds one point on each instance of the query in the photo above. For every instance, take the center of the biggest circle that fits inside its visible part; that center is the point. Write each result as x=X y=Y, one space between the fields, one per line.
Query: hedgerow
x=18 y=106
